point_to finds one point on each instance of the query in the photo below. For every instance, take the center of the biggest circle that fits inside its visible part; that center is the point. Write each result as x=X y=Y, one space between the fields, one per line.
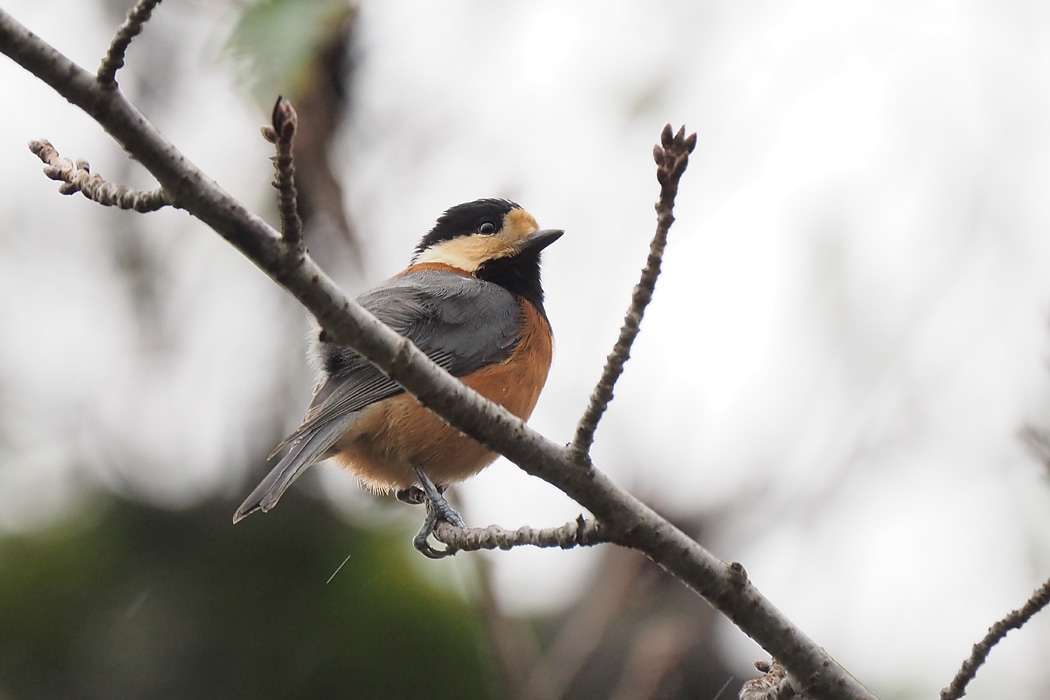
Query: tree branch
x=582 y=532
x=78 y=178
x=280 y=133
x=1014 y=620
x=672 y=157
x=626 y=520
x=114 y=59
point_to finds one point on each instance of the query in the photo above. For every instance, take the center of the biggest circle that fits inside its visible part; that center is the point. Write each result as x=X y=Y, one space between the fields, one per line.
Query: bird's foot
x=438 y=509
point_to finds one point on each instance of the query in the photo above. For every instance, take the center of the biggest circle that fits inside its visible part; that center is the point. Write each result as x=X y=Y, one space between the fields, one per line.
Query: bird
x=472 y=301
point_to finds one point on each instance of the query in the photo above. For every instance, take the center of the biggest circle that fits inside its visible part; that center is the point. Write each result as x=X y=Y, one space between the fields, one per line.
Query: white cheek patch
x=464 y=253
x=467 y=253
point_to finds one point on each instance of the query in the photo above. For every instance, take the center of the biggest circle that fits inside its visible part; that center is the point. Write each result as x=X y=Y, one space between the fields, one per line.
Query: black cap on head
x=464 y=219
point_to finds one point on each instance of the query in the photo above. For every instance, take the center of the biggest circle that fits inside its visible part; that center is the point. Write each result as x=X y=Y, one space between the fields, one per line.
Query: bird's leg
x=414 y=495
x=436 y=501
x=438 y=509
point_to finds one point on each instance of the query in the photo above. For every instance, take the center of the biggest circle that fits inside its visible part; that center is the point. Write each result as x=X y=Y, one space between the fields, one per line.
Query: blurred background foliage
x=121 y=600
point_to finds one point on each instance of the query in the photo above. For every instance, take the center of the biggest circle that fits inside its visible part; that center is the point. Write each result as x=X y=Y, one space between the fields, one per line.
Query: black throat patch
x=518 y=274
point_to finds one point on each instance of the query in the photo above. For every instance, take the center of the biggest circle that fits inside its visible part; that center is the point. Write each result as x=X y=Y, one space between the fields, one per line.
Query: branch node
x=737 y=575
x=775 y=684
x=132 y=26
x=77 y=177
x=672 y=157
x=280 y=132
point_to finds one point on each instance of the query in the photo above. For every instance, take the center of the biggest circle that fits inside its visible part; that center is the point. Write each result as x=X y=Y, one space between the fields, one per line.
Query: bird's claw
x=438 y=509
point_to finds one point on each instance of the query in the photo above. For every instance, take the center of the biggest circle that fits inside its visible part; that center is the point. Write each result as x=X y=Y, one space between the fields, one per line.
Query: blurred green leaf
x=135 y=602
x=275 y=42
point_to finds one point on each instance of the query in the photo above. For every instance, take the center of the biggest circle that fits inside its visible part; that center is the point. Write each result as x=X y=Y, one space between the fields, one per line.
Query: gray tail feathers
x=307 y=449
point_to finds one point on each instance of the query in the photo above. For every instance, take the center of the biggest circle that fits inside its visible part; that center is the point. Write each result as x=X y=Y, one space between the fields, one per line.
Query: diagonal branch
x=1014 y=620
x=78 y=178
x=672 y=157
x=626 y=520
x=114 y=60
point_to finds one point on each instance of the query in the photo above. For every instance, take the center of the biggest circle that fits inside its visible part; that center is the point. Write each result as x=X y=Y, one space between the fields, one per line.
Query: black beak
x=538 y=240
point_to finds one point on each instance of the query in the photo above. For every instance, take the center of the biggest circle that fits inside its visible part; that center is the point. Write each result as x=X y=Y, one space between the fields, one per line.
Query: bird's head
x=468 y=236
x=492 y=239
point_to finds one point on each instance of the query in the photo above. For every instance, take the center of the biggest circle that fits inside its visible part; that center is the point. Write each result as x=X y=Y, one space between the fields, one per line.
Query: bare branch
x=281 y=133
x=78 y=178
x=114 y=60
x=672 y=157
x=625 y=520
x=582 y=532
x=1015 y=620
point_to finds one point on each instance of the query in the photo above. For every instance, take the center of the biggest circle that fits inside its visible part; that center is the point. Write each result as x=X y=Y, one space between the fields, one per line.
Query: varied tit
x=471 y=300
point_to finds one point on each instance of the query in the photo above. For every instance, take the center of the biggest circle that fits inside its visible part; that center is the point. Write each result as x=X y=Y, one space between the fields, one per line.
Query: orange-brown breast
x=398 y=432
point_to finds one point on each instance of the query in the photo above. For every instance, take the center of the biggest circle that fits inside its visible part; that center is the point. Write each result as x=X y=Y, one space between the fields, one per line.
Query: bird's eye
x=487 y=228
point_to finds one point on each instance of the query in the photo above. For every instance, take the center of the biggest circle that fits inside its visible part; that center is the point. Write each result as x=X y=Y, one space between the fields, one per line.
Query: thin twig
x=582 y=532
x=77 y=177
x=114 y=59
x=672 y=157
x=1015 y=620
x=280 y=133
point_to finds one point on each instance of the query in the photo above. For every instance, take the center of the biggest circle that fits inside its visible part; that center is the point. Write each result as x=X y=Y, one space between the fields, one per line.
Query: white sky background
x=851 y=327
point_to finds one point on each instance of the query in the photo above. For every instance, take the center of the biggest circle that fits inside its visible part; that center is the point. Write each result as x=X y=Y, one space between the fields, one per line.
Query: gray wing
x=460 y=322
